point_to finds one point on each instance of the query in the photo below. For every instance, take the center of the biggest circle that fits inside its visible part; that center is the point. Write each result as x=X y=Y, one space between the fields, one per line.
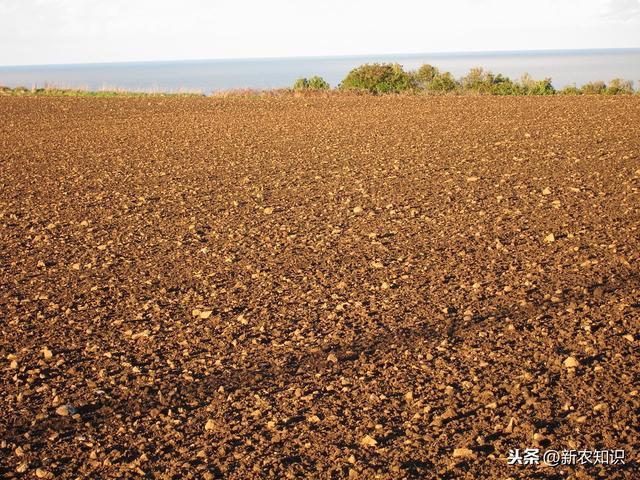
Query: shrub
x=541 y=87
x=480 y=81
x=313 y=83
x=536 y=87
x=594 y=88
x=425 y=75
x=442 y=82
x=477 y=80
x=618 y=86
x=570 y=90
x=429 y=78
x=378 y=78
x=501 y=85
x=301 y=84
x=318 y=83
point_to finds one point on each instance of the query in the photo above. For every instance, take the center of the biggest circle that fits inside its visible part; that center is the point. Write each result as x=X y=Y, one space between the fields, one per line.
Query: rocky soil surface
x=342 y=287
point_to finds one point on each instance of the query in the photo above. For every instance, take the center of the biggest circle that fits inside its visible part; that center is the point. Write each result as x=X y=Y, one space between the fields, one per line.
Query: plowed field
x=342 y=287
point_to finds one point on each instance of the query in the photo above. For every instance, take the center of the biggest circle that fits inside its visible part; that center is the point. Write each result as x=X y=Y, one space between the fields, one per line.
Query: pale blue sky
x=77 y=31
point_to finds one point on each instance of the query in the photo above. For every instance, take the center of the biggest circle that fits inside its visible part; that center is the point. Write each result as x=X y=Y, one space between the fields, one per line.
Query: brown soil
x=318 y=287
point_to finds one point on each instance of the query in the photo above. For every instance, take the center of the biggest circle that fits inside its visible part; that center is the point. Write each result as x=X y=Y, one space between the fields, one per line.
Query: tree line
x=381 y=78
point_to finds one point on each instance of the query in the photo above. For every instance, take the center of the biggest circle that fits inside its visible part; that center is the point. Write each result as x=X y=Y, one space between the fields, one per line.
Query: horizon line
x=345 y=56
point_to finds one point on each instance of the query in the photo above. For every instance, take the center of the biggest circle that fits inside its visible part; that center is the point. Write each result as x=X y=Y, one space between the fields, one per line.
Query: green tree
x=501 y=85
x=570 y=90
x=301 y=84
x=318 y=83
x=536 y=87
x=481 y=81
x=314 y=83
x=594 y=88
x=378 y=78
x=442 y=82
x=477 y=80
x=618 y=86
x=541 y=87
x=425 y=75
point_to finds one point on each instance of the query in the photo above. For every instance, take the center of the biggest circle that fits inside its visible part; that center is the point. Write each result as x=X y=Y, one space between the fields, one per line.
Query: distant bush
x=618 y=86
x=477 y=80
x=425 y=75
x=541 y=87
x=300 y=84
x=481 y=81
x=501 y=85
x=536 y=87
x=594 y=88
x=442 y=82
x=379 y=78
x=313 y=83
x=318 y=83
x=570 y=90
x=429 y=78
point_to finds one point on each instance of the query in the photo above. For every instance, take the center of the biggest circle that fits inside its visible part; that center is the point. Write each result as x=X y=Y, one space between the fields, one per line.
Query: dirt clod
x=571 y=362
x=65 y=410
x=368 y=441
x=463 y=453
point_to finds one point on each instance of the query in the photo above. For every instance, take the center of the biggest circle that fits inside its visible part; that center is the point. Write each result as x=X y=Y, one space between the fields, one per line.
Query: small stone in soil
x=66 y=410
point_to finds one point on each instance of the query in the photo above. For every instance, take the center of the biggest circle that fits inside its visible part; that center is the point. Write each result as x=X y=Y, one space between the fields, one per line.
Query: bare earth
x=318 y=287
